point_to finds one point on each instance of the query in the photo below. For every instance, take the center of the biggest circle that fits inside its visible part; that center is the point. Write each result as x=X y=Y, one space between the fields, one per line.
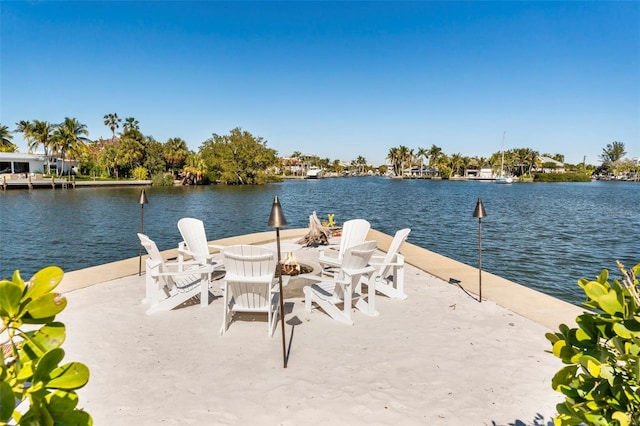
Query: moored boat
x=314 y=172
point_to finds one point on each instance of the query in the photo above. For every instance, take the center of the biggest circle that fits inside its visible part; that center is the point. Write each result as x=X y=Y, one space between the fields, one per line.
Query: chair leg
x=368 y=307
x=204 y=290
x=307 y=299
x=332 y=310
x=398 y=279
x=225 y=311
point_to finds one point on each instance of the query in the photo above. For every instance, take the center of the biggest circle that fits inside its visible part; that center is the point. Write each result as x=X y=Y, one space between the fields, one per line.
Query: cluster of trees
x=298 y=163
x=237 y=158
x=516 y=162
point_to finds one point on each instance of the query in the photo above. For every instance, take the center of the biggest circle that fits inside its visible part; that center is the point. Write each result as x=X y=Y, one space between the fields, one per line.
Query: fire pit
x=289 y=266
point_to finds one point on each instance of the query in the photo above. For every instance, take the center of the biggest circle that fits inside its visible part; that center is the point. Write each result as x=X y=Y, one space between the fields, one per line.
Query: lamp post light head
x=143 y=198
x=276 y=219
x=479 y=212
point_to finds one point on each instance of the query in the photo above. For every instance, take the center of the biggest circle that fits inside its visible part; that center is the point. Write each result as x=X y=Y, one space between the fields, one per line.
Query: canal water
x=541 y=235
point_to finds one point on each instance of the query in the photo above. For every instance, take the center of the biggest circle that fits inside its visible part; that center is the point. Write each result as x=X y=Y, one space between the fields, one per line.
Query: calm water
x=544 y=236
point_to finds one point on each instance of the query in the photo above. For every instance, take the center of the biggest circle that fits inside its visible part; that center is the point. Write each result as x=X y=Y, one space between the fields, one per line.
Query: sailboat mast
x=502 y=162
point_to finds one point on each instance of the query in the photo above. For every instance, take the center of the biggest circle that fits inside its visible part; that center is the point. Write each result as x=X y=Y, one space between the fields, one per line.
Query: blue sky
x=334 y=79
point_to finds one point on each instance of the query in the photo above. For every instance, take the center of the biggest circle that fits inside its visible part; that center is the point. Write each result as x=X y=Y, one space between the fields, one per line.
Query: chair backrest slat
x=358 y=256
x=394 y=250
x=250 y=271
x=195 y=237
x=354 y=232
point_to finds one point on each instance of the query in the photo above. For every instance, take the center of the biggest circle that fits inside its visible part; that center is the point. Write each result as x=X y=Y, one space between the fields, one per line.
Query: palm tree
x=175 y=153
x=410 y=159
x=394 y=157
x=5 y=140
x=530 y=157
x=434 y=153
x=466 y=163
x=68 y=139
x=361 y=162
x=404 y=154
x=41 y=134
x=519 y=158
x=25 y=127
x=455 y=162
x=131 y=123
x=113 y=122
x=422 y=153
x=613 y=152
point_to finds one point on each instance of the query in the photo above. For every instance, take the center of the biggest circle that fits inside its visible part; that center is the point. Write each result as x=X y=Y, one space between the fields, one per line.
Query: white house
x=15 y=163
x=558 y=166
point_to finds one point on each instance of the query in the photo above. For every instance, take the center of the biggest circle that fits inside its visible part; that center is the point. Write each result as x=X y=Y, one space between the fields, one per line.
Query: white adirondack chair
x=344 y=287
x=194 y=242
x=169 y=284
x=249 y=284
x=354 y=232
x=388 y=278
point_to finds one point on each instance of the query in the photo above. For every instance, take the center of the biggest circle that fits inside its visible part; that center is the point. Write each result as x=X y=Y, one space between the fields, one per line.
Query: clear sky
x=334 y=79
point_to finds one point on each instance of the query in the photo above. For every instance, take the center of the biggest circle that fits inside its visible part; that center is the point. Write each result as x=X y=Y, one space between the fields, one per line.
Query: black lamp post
x=142 y=201
x=277 y=220
x=479 y=213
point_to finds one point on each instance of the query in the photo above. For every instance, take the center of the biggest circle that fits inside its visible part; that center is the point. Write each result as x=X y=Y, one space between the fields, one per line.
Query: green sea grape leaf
x=564 y=376
x=61 y=401
x=603 y=277
x=46 y=306
x=47 y=364
x=73 y=375
x=582 y=336
x=77 y=418
x=621 y=330
x=594 y=290
x=562 y=350
x=622 y=418
x=607 y=373
x=44 y=281
x=10 y=295
x=552 y=337
x=610 y=303
x=591 y=364
x=7 y=402
x=44 y=339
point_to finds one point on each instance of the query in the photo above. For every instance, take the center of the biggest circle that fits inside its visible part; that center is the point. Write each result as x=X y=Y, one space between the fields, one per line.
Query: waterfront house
x=16 y=165
x=548 y=165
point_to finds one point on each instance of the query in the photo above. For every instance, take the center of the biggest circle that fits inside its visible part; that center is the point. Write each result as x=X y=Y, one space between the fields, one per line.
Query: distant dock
x=62 y=183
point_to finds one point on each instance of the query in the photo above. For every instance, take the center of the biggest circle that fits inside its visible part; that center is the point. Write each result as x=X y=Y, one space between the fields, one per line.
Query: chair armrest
x=386 y=264
x=313 y=277
x=188 y=252
x=322 y=249
x=206 y=269
x=260 y=279
x=333 y=261
x=365 y=270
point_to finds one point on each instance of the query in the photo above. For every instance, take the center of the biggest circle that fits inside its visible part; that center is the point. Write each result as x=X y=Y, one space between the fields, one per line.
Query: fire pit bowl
x=296 y=283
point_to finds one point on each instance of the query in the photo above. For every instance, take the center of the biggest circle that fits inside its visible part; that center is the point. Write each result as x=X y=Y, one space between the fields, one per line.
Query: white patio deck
x=437 y=358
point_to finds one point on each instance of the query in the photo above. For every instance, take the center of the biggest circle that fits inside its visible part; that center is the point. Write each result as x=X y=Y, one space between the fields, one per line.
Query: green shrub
x=34 y=388
x=140 y=173
x=162 y=179
x=602 y=356
x=561 y=177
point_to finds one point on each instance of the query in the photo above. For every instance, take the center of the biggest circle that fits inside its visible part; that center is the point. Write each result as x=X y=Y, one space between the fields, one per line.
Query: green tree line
x=241 y=158
x=237 y=158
